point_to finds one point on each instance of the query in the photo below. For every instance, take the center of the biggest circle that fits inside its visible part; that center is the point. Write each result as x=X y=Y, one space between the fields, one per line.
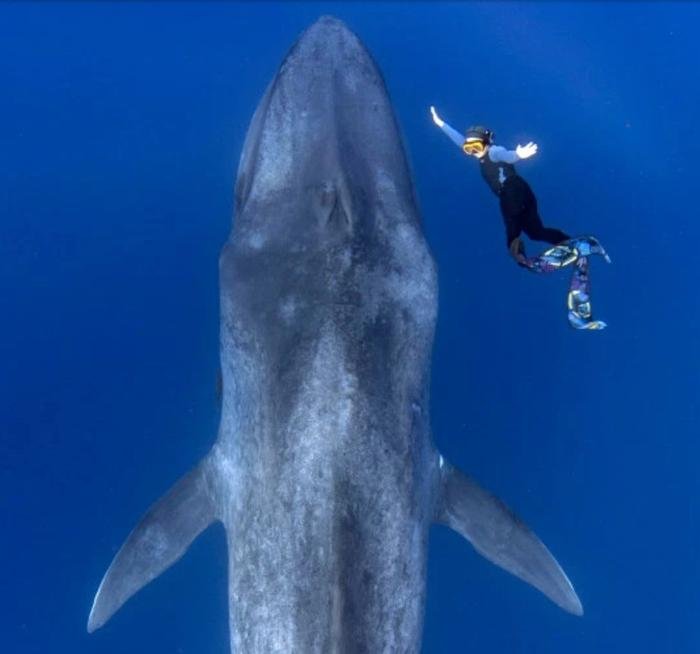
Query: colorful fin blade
x=574 y=251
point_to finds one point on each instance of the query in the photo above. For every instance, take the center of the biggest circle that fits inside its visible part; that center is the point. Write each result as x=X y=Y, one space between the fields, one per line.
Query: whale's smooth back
x=324 y=472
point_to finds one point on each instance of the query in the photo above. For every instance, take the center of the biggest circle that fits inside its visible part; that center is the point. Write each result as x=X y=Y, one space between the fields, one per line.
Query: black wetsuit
x=518 y=202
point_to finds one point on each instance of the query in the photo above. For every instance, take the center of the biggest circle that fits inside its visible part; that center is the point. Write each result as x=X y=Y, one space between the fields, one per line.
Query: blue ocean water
x=121 y=128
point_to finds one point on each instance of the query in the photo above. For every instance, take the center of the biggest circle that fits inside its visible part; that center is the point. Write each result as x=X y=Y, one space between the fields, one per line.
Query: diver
x=517 y=201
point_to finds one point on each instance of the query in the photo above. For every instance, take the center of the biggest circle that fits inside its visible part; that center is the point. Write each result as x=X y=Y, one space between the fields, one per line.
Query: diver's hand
x=436 y=119
x=526 y=151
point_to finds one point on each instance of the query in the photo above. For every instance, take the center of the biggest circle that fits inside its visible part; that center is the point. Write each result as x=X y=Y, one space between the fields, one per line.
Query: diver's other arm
x=499 y=153
x=454 y=135
x=526 y=151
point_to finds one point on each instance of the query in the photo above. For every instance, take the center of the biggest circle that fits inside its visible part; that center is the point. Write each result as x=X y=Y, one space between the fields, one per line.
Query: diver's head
x=477 y=141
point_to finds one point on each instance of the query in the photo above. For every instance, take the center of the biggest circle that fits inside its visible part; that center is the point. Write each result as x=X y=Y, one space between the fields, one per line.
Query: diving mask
x=474 y=146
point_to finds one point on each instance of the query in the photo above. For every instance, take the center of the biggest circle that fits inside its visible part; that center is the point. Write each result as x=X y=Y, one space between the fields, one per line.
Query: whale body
x=324 y=472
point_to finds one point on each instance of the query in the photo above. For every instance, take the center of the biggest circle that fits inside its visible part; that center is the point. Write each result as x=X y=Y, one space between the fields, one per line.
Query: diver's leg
x=513 y=241
x=553 y=258
x=511 y=203
x=512 y=233
x=552 y=235
x=532 y=223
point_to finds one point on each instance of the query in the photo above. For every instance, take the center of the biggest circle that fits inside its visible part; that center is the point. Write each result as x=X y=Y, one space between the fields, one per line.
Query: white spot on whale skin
x=256 y=240
x=288 y=309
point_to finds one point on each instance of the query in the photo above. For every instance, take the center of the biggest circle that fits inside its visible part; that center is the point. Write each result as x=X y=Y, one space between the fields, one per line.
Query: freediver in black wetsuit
x=517 y=201
x=519 y=209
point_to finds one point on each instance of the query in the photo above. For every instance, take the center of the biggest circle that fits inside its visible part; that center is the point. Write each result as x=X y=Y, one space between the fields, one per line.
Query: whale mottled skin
x=324 y=473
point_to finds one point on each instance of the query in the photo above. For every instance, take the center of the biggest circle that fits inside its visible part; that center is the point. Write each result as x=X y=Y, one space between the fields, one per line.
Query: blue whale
x=324 y=472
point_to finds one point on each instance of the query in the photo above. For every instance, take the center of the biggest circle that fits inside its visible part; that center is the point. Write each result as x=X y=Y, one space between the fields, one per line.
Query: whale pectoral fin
x=501 y=537
x=160 y=539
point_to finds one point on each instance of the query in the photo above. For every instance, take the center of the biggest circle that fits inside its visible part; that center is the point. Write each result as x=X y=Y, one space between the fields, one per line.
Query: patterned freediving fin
x=574 y=251
x=588 y=245
x=564 y=254
x=579 y=300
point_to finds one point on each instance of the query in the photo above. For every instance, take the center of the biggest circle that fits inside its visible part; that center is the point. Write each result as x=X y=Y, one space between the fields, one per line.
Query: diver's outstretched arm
x=526 y=151
x=499 y=153
x=496 y=152
x=454 y=135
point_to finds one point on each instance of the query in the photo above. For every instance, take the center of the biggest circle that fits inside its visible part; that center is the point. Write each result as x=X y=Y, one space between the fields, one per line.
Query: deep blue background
x=120 y=131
